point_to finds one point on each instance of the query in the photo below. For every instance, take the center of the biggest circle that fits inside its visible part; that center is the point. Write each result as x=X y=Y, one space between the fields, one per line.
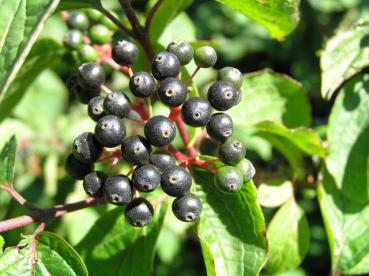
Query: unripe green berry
x=87 y=53
x=94 y=15
x=182 y=49
x=205 y=57
x=247 y=169
x=231 y=152
x=229 y=179
x=99 y=34
x=232 y=75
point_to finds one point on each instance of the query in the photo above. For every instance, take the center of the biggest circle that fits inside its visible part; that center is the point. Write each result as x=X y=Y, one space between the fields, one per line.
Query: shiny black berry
x=146 y=178
x=176 y=181
x=136 y=150
x=93 y=183
x=162 y=160
x=139 y=212
x=73 y=39
x=118 y=189
x=196 y=112
x=165 y=65
x=78 y=20
x=86 y=148
x=205 y=57
x=91 y=75
x=182 y=49
x=77 y=169
x=172 y=92
x=160 y=131
x=222 y=95
x=232 y=75
x=124 y=52
x=220 y=126
x=187 y=208
x=118 y=104
x=95 y=108
x=142 y=84
x=229 y=179
x=247 y=169
x=110 y=131
x=231 y=152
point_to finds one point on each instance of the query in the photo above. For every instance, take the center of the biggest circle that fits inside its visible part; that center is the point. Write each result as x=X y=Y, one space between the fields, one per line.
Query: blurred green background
x=48 y=118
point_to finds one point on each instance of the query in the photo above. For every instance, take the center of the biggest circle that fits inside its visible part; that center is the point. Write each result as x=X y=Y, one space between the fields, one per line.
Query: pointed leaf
x=345 y=55
x=289 y=238
x=53 y=254
x=7 y=159
x=348 y=136
x=347 y=227
x=231 y=228
x=279 y=17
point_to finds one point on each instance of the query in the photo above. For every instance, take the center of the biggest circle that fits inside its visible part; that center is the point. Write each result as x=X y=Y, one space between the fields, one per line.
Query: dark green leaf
x=2 y=242
x=279 y=17
x=79 y=4
x=333 y=5
x=231 y=228
x=345 y=55
x=7 y=159
x=347 y=227
x=269 y=96
x=166 y=13
x=348 y=136
x=20 y=23
x=45 y=54
x=53 y=254
x=110 y=245
x=289 y=238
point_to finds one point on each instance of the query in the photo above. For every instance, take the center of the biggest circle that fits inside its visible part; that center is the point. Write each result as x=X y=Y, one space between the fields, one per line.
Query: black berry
x=142 y=84
x=160 y=131
x=165 y=65
x=78 y=20
x=124 y=52
x=95 y=108
x=73 y=39
x=118 y=104
x=222 y=95
x=247 y=170
x=187 y=208
x=162 y=160
x=172 y=92
x=77 y=169
x=229 y=179
x=117 y=189
x=84 y=95
x=139 y=212
x=86 y=148
x=182 y=49
x=136 y=150
x=91 y=75
x=205 y=57
x=176 y=181
x=232 y=75
x=93 y=183
x=196 y=112
x=146 y=178
x=110 y=131
x=220 y=126
x=231 y=152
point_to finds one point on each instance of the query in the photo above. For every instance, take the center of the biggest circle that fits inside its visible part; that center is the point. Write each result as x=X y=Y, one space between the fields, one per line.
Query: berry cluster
x=165 y=166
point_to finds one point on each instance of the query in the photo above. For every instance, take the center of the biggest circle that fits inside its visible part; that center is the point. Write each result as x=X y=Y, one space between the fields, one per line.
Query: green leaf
x=166 y=13
x=54 y=257
x=345 y=55
x=289 y=238
x=347 y=227
x=231 y=228
x=44 y=54
x=7 y=159
x=20 y=23
x=79 y=4
x=333 y=5
x=279 y=17
x=269 y=96
x=291 y=142
x=348 y=136
x=274 y=193
x=111 y=244
x=2 y=242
